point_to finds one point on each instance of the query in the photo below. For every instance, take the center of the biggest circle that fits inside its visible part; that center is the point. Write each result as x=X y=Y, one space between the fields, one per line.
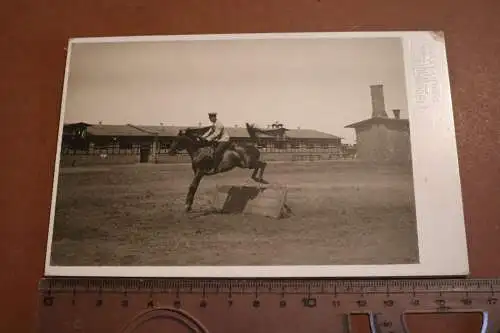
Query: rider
x=217 y=133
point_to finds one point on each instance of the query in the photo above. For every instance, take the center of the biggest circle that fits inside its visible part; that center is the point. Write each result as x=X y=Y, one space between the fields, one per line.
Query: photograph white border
x=438 y=196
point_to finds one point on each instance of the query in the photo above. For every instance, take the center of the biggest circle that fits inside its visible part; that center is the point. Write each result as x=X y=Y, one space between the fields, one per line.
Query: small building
x=382 y=139
x=99 y=135
x=98 y=139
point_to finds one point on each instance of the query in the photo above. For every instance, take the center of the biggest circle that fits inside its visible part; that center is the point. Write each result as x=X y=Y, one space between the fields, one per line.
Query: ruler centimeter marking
x=385 y=301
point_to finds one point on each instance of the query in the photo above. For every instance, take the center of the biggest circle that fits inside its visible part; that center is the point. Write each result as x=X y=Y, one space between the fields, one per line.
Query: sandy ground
x=343 y=212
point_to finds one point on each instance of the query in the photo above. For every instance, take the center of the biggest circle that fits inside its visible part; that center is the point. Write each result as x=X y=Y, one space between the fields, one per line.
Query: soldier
x=217 y=133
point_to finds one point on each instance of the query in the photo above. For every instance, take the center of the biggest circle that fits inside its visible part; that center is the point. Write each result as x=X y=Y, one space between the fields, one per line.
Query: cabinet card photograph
x=257 y=155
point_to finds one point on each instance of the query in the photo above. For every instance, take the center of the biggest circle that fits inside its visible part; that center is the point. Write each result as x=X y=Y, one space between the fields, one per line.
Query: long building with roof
x=151 y=142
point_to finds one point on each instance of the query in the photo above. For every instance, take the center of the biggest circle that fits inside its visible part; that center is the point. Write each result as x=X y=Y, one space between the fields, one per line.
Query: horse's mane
x=193 y=134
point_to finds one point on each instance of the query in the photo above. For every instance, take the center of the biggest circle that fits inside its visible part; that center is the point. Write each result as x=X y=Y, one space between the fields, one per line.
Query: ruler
x=125 y=305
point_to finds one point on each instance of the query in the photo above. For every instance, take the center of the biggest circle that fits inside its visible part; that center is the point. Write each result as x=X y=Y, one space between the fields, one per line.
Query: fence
x=116 y=149
x=116 y=154
x=112 y=149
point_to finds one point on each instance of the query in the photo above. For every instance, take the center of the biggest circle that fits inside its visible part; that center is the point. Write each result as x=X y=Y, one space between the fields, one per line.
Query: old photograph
x=256 y=155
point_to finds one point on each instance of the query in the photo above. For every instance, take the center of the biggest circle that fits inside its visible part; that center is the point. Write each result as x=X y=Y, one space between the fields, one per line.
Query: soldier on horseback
x=218 y=134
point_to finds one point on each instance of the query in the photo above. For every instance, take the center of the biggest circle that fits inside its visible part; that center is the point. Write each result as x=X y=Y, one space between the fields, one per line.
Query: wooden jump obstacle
x=265 y=200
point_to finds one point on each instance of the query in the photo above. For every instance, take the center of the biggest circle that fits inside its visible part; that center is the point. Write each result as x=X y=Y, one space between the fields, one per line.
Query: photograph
x=320 y=154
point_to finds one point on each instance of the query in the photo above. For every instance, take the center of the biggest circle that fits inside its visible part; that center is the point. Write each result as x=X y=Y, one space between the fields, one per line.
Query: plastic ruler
x=127 y=305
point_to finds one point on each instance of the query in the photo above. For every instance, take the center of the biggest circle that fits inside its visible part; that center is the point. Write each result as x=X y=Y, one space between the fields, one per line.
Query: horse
x=244 y=156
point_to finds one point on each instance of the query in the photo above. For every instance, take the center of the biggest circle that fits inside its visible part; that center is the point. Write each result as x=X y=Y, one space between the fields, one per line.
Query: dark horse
x=245 y=156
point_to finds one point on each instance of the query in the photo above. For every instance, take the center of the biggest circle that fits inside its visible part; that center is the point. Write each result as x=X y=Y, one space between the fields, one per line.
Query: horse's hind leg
x=254 y=174
x=259 y=168
x=256 y=167
x=262 y=168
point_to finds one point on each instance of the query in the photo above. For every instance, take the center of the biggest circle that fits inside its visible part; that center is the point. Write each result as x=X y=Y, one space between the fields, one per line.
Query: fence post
x=154 y=150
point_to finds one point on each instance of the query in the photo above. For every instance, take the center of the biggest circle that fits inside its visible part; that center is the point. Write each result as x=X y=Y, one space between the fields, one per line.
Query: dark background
x=33 y=37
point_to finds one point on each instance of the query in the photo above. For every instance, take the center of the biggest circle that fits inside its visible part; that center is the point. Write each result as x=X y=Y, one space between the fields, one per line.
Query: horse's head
x=180 y=143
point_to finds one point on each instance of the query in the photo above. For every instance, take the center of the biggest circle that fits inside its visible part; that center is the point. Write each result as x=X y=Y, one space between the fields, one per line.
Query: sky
x=320 y=84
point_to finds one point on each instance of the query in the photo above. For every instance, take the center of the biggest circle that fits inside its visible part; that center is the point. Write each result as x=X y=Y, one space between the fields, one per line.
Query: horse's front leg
x=192 y=190
x=260 y=166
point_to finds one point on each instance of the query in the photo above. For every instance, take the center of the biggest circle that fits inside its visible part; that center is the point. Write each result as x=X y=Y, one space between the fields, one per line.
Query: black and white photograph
x=257 y=155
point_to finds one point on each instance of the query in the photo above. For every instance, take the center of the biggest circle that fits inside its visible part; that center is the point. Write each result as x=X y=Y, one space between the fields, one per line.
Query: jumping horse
x=245 y=156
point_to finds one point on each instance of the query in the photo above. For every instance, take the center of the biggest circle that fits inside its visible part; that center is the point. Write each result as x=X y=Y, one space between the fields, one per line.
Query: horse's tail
x=252 y=133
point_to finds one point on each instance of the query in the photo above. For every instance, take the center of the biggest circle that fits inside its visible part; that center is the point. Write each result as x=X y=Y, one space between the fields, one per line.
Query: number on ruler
x=466 y=301
x=309 y=302
x=441 y=302
x=388 y=302
x=150 y=304
x=362 y=303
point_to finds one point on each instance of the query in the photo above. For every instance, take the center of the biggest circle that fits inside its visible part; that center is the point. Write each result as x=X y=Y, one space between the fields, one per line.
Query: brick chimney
x=378 y=102
x=396 y=113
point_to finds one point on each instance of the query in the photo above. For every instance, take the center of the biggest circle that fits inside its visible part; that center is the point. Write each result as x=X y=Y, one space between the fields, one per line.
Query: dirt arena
x=342 y=212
